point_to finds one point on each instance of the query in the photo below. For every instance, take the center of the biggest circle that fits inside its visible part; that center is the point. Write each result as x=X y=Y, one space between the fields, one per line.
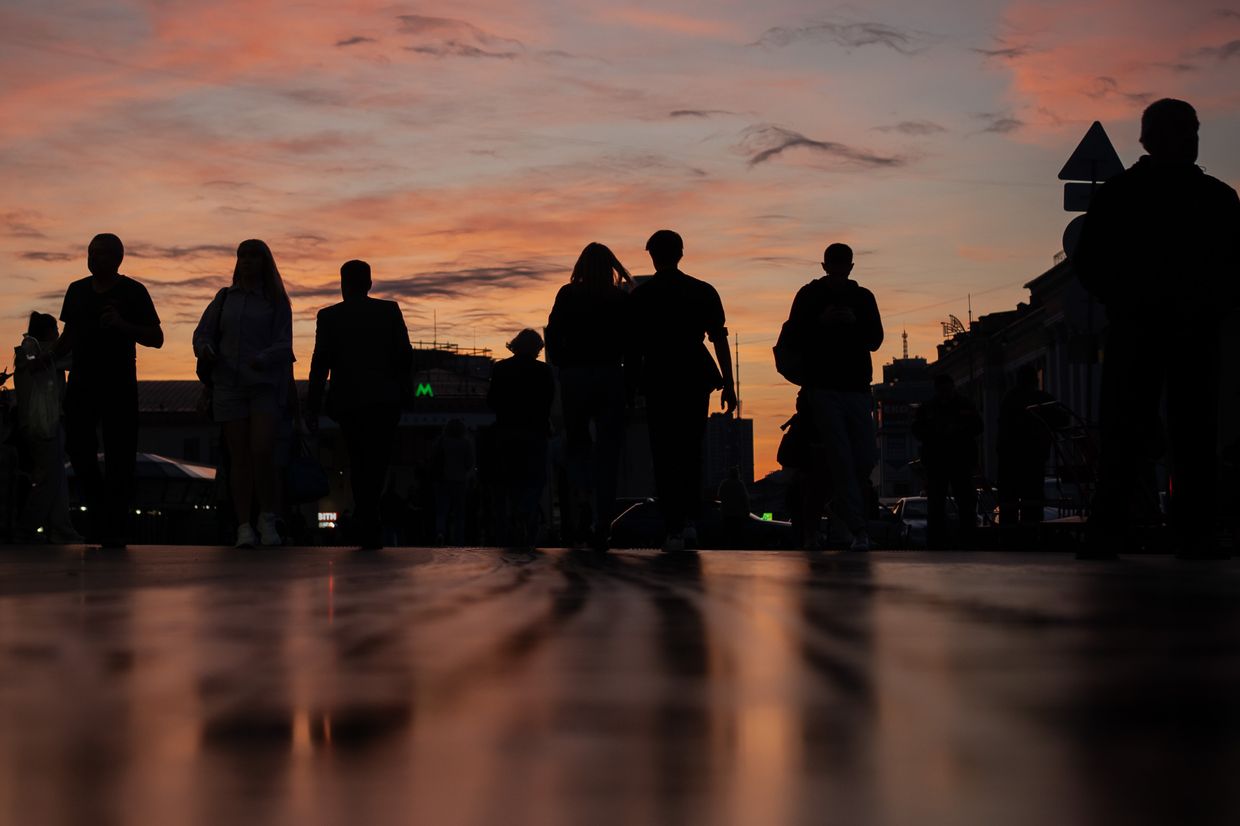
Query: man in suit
x=363 y=344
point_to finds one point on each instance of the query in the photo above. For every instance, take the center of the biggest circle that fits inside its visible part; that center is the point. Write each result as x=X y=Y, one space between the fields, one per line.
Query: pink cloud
x=1106 y=59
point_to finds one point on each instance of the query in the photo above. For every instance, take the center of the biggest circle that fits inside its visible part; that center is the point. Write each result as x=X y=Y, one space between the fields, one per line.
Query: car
x=641 y=526
x=910 y=514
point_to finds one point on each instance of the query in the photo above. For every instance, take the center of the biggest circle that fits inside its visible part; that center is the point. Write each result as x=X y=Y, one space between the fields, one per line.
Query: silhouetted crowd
x=1160 y=249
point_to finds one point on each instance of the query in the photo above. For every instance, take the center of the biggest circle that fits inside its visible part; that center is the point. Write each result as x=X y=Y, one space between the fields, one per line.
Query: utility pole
x=738 y=375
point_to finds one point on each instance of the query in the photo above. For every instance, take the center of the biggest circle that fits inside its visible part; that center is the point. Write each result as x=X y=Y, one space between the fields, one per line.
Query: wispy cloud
x=42 y=255
x=356 y=40
x=1226 y=51
x=999 y=123
x=449 y=37
x=762 y=142
x=196 y=284
x=916 y=128
x=848 y=35
x=21 y=224
x=447 y=283
x=1105 y=86
x=179 y=252
x=698 y=113
x=1005 y=52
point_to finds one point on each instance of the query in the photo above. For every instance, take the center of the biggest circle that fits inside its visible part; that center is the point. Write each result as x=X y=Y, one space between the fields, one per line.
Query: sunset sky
x=469 y=150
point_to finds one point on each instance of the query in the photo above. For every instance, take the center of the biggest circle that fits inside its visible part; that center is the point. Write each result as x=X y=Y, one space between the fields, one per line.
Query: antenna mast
x=904 y=336
x=738 y=375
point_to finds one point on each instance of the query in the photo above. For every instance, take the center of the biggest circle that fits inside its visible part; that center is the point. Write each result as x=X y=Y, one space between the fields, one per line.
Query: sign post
x=1096 y=161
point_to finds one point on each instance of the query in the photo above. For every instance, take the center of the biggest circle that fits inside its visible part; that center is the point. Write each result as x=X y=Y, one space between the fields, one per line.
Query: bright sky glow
x=469 y=150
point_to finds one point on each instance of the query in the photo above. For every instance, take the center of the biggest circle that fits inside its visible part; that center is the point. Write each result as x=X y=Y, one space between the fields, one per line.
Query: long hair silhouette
x=273 y=285
x=597 y=268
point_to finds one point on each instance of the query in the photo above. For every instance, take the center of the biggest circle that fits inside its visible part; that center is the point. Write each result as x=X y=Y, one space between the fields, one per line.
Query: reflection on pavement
x=175 y=685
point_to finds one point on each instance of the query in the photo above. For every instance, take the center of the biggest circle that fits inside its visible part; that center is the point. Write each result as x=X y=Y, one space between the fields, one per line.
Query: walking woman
x=40 y=383
x=587 y=335
x=245 y=341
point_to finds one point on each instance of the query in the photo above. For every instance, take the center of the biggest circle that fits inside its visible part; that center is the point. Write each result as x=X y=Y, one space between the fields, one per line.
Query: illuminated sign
x=768 y=517
x=424 y=390
x=327 y=519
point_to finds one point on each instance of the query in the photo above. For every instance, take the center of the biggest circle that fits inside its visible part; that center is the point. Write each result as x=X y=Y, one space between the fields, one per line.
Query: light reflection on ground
x=175 y=685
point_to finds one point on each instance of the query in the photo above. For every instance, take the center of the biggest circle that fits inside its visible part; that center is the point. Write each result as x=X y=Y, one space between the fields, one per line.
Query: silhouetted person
x=588 y=332
x=362 y=344
x=832 y=328
x=521 y=392
x=453 y=461
x=1024 y=446
x=672 y=312
x=40 y=384
x=734 y=507
x=1160 y=248
x=105 y=316
x=948 y=426
x=245 y=337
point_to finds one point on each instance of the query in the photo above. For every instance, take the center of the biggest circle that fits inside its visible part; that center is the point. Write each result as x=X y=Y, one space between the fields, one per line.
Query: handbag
x=304 y=478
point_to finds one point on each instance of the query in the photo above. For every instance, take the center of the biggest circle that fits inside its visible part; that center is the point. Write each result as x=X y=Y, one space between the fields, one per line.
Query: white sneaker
x=267 y=530
x=674 y=542
x=245 y=537
x=690 y=535
x=860 y=542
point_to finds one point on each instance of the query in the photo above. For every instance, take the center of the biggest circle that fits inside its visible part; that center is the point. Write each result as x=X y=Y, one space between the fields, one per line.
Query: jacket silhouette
x=362 y=344
x=1160 y=248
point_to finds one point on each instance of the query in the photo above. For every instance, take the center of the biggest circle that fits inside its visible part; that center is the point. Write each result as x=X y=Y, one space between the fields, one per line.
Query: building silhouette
x=906 y=384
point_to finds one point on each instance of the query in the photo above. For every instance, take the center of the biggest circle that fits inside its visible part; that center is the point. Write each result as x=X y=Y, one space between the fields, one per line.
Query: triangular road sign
x=1094 y=159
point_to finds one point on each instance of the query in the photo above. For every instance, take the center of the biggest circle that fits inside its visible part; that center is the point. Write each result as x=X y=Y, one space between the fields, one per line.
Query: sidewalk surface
x=451 y=686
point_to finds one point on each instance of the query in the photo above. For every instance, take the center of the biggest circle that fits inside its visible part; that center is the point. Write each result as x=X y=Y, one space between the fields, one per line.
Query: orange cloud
x=1074 y=62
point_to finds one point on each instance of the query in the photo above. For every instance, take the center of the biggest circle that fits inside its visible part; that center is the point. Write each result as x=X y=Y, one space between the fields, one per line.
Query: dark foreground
x=205 y=686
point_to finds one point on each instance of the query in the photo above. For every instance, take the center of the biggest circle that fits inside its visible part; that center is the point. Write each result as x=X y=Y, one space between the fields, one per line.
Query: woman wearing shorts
x=246 y=338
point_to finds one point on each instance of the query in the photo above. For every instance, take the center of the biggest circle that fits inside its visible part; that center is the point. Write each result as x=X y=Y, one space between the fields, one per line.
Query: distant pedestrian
x=362 y=344
x=948 y=426
x=672 y=314
x=453 y=465
x=521 y=393
x=1160 y=249
x=105 y=316
x=734 y=507
x=40 y=384
x=245 y=337
x=825 y=346
x=588 y=332
x=1025 y=443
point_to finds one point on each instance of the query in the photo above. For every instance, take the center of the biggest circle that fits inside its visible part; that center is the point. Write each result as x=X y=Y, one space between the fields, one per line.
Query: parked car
x=641 y=526
x=910 y=513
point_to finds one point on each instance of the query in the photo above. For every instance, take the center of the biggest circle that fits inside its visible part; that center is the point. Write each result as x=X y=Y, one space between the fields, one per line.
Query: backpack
x=791 y=360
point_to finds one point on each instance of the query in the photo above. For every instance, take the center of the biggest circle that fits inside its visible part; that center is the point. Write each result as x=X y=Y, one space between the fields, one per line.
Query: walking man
x=105 y=315
x=362 y=344
x=948 y=426
x=831 y=330
x=1160 y=248
x=671 y=314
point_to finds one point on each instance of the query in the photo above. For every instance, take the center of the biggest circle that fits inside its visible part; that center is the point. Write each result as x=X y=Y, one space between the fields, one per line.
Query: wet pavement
x=308 y=686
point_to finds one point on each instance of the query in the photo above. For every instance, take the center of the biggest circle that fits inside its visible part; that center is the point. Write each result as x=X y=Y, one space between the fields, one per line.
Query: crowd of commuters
x=1160 y=248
